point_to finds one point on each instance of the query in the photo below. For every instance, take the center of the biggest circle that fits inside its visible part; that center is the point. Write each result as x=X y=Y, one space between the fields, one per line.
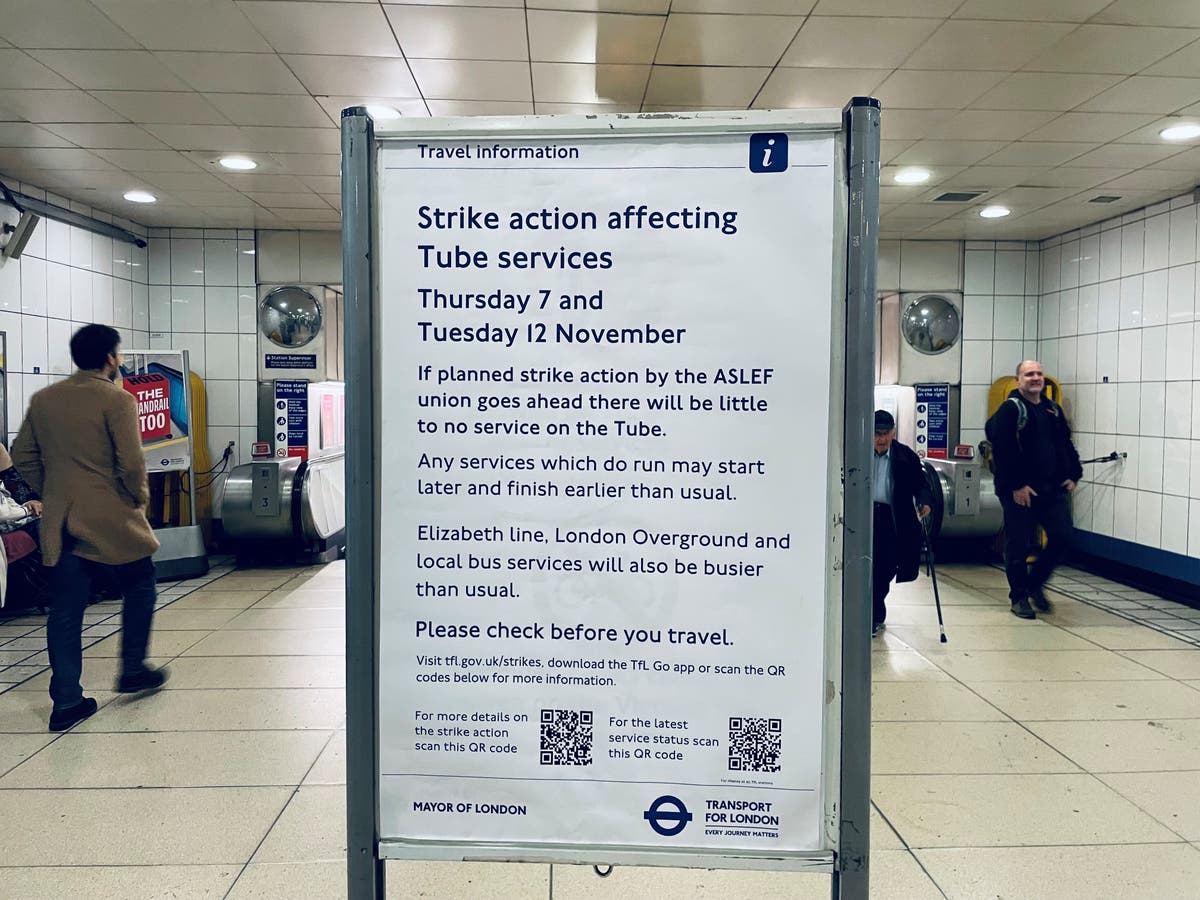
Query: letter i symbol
x=766 y=163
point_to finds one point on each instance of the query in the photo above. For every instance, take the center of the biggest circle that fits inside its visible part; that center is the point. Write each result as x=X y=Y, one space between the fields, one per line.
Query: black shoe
x=1022 y=610
x=62 y=719
x=145 y=680
x=1039 y=599
x=876 y=627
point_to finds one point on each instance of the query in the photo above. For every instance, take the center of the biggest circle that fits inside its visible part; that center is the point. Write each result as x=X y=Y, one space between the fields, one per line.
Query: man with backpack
x=1036 y=468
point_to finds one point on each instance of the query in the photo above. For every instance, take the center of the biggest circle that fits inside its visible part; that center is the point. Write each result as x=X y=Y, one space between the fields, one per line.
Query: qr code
x=755 y=745
x=566 y=737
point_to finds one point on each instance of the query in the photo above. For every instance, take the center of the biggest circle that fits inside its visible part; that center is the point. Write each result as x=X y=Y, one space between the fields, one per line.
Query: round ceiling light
x=238 y=163
x=140 y=197
x=911 y=176
x=1184 y=131
x=994 y=212
x=381 y=112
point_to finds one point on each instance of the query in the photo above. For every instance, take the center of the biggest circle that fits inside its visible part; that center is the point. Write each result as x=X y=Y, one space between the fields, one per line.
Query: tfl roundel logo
x=667 y=815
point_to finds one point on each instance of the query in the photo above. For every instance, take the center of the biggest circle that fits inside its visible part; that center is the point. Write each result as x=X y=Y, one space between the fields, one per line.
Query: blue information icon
x=768 y=152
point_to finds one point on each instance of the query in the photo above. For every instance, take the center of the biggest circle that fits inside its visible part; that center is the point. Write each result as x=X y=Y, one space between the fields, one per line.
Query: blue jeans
x=70 y=585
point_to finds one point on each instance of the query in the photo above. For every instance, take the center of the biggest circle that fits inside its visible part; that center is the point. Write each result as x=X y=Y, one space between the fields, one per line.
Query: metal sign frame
x=846 y=754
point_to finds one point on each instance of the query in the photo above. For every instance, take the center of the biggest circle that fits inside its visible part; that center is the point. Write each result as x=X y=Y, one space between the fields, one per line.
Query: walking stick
x=937 y=600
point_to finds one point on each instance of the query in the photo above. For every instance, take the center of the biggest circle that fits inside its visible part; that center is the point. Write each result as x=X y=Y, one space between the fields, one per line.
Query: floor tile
x=1173 y=798
x=904 y=665
x=1010 y=810
x=207 y=598
x=883 y=837
x=1029 y=636
x=16 y=749
x=1064 y=700
x=1065 y=873
x=330 y=767
x=218 y=710
x=14 y=657
x=469 y=881
x=319 y=617
x=257 y=672
x=582 y=883
x=162 y=644
x=99 y=674
x=116 y=881
x=914 y=701
x=947 y=748
x=312 y=827
x=18 y=676
x=178 y=759
x=926 y=617
x=251 y=582
x=1042 y=665
x=174 y=618
x=1138 y=746
x=1173 y=663
x=1134 y=637
x=303 y=599
x=28 y=712
x=131 y=827
x=315 y=642
x=30 y=644
x=324 y=880
x=14 y=631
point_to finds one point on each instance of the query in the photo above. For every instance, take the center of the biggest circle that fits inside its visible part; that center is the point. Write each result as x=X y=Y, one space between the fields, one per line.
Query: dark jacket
x=1040 y=455
x=909 y=490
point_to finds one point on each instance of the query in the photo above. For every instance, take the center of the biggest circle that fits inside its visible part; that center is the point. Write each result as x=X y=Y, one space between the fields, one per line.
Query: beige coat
x=80 y=449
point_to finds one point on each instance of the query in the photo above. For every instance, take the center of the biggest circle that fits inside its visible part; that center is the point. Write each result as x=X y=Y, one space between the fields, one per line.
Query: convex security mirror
x=289 y=317
x=930 y=324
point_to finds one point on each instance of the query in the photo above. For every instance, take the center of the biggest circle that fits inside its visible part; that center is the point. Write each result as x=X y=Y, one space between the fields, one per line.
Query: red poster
x=153 y=395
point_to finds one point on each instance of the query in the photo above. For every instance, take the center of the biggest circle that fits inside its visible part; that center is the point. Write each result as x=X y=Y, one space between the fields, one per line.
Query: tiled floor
x=1021 y=760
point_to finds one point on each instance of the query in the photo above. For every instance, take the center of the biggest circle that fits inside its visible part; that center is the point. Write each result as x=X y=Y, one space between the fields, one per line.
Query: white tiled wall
x=1000 y=321
x=202 y=299
x=66 y=277
x=1119 y=327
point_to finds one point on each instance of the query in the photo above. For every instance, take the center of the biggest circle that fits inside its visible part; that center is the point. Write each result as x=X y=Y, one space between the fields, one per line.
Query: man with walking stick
x=898 y=488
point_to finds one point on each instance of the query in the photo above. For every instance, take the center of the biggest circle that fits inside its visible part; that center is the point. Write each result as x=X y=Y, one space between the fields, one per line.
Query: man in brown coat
x=80 y=449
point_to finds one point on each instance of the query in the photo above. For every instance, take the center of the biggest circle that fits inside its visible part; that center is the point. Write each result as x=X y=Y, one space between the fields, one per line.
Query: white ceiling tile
x=1030 y=198
x=443 y=108
x=20 y=70
x=961 y=44
x=340 y=29
x=584 y=109
x=323 y=184
x=816 y=88
x=1100 y=127
x=183 y=181
x=932 y=9
x=162 y=107
x=1043 y=90
x=707 y=40
x=148 y=160
x=111 y=70
x=446 y=79
x=654 y=107
x=1188 y=161
x=350 y=75
x=1184 y=63
x=744 y=7
x=994 y=178
x=60 y=23
x=938 y=175
x=1127 y=156
x=991 y=124
x=229 y=199
x=200 y=137
x=1076 y=177
x=109 y=137
x=52 y=158
x=22 y=134
x=1152 y=179
x=850 y=42
x=1110 y=48
x=231 y=72
x=910 y=124
x=889 y=150
x=303 y=218
x=309 y=163
x=947 y=153
x=275 y=139
x=57 y=106
x=1146 y=94
x=1039 y=153
x=581 y=83
x=453 y=32
x=299 y=200
x=593 y=37
x=643 y=7
x=914 y=89
x=268 y=109
x=193 y=25
x=705 y=85
x=406 y=106
x=1159 y=12
x=1031 y=10
x=210 y=161
x=1148 y=133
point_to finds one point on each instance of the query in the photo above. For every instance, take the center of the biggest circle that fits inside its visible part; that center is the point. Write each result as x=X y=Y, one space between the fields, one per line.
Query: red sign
x=260 y=450
x=153 y=395
x=964 y=451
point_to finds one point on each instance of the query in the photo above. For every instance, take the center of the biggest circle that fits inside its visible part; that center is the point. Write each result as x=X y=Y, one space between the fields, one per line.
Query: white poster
x=605 y=398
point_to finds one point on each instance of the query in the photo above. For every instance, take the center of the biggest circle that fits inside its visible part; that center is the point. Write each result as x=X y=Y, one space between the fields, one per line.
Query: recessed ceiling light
x=140 y=197
x=1184 y=131
x=994 y=212
x=381 y=112
x=239 y=163
x=911 y=176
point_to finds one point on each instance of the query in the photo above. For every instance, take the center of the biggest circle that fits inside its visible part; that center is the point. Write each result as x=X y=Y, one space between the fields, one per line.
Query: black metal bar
x=22 y=202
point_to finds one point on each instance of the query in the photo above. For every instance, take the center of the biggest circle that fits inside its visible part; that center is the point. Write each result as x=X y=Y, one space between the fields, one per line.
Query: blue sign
x=291 y=360
x=768 y=152
x=678 y=817
x=291 y=418
x=933 y=420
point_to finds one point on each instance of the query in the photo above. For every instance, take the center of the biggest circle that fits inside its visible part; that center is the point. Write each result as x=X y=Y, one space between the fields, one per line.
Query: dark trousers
x=1051 y=510
x=70 y=585
x=883 y=560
